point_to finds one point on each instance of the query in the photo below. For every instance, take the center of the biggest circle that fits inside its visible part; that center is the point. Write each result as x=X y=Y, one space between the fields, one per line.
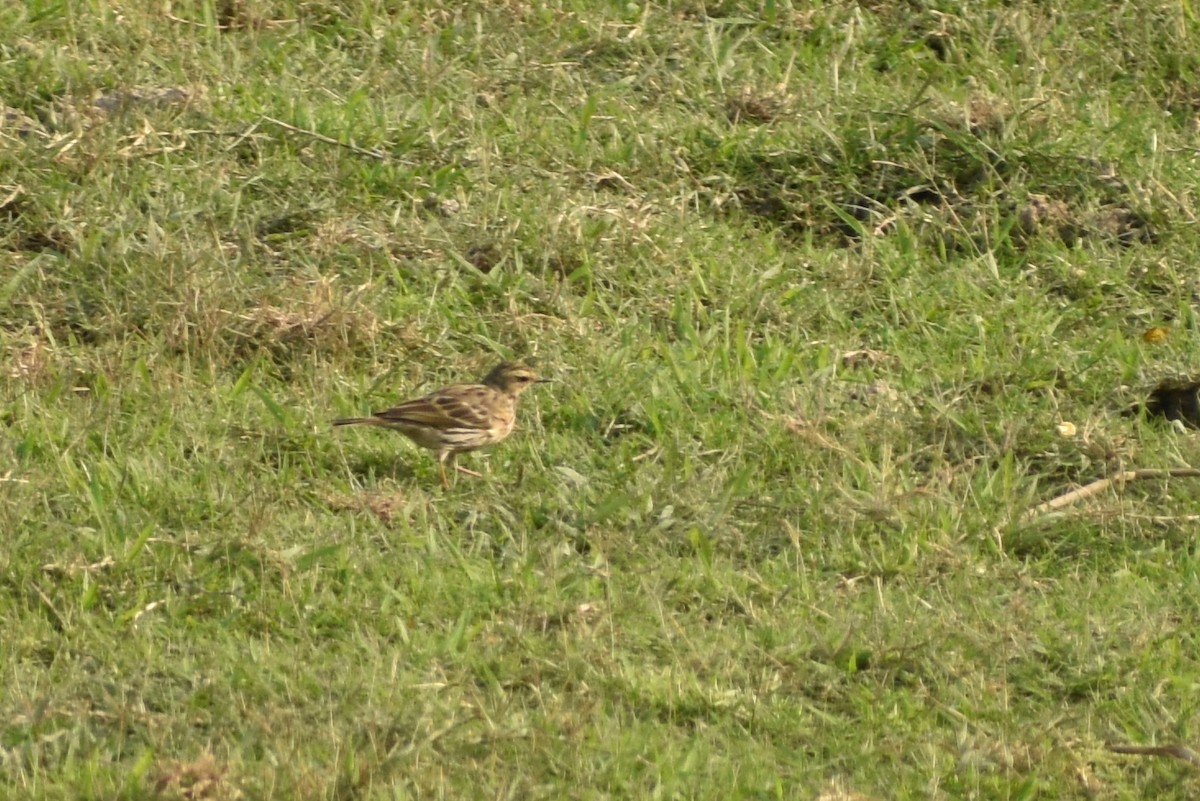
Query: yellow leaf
x=1155 y=335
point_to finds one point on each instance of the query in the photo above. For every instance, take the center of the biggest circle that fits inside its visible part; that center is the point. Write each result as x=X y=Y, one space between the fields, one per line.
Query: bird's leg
x=442 y=457
x=459 y=467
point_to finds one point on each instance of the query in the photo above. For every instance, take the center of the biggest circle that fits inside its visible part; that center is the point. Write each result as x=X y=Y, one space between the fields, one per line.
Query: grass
x=819 y=282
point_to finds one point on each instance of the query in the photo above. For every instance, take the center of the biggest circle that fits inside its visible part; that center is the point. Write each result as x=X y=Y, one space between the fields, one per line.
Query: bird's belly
x=452 y=439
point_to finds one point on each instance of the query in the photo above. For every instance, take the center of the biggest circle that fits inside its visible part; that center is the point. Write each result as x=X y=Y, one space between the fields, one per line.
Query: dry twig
x=1098 y=486
x=1177 y=751
x=329 y=140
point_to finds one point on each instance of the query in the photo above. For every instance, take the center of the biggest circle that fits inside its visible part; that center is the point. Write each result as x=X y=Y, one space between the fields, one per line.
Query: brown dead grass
x=754 y=105
x=384 y=505
x=310 y=315
x=200 y=779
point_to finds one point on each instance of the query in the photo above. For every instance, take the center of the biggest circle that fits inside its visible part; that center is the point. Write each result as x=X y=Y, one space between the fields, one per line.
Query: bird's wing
x=453 y=407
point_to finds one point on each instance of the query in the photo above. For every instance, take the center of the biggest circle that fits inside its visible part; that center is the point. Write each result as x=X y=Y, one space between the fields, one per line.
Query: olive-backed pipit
x=458 y=418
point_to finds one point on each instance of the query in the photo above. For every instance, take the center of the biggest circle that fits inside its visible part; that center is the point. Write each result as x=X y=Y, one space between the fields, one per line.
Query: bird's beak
x=546 y=381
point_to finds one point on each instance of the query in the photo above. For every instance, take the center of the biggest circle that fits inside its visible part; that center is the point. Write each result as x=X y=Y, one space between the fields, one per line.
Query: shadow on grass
x=373 y=466
x=282 y=451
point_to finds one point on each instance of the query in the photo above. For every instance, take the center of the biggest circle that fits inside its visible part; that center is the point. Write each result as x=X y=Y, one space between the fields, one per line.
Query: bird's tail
x=352 y=421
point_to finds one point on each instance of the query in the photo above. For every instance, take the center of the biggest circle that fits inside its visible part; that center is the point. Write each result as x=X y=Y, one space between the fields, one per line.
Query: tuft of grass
x=821 y=287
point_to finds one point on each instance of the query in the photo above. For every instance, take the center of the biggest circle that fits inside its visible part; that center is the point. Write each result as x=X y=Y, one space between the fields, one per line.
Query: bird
x=460 y=417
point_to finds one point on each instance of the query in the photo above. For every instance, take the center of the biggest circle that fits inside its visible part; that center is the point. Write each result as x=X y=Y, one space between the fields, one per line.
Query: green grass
x=818 y=283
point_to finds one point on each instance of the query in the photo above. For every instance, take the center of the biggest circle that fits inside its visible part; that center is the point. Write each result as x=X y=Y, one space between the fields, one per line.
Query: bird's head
x=512 y=378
